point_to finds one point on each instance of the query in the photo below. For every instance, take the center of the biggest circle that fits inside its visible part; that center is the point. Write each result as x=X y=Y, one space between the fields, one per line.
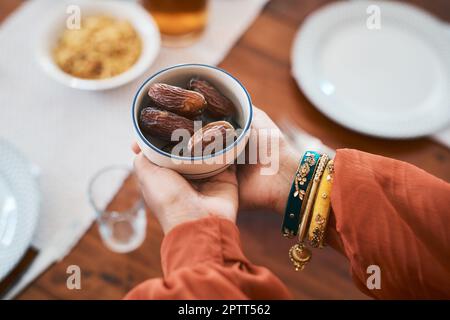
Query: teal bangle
x=299 y=192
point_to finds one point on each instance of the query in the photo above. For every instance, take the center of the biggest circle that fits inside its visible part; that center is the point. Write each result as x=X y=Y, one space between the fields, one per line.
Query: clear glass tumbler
x=115 y=196
x=181 y=22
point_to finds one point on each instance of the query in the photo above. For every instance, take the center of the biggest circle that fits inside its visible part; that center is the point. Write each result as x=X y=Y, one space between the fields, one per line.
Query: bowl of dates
x=192 y=118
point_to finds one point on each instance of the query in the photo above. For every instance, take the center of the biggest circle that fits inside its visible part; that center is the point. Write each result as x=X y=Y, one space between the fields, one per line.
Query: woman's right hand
x=267 y=191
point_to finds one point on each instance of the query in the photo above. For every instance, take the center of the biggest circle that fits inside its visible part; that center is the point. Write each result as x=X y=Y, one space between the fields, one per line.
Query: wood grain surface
x=261 y=61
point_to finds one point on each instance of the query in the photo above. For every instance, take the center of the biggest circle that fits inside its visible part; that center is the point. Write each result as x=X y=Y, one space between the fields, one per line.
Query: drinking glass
x=181 y=22
x=115 y=196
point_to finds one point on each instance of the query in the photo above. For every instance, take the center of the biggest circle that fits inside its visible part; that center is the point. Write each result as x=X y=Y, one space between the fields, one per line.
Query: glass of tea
x=121 y=218
x=181 y=22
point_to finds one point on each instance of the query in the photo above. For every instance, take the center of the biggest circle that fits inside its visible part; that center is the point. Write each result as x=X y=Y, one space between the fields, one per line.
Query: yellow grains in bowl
x=102 y=48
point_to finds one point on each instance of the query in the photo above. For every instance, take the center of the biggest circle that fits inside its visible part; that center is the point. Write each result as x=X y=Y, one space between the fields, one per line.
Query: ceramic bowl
x=202 y=166
x=142 y=22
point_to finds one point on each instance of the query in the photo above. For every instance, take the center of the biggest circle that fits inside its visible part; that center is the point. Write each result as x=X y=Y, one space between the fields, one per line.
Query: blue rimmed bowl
x=205 y=166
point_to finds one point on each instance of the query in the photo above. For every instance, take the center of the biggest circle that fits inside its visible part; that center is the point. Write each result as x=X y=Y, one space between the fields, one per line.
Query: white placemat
x=71 y=134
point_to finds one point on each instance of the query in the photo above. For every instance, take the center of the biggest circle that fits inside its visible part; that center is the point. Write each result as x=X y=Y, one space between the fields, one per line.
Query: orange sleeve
x=391 y=214
x=203 y=260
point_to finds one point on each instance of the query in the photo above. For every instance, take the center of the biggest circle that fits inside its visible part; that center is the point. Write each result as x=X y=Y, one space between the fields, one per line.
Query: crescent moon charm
x=300 y=256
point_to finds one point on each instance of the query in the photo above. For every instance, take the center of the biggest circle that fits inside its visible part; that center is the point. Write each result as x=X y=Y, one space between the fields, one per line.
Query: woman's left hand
x=175 y=200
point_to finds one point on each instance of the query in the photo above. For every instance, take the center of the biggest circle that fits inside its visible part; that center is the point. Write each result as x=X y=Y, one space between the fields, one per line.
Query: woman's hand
x=267 y=191
x=174 y=200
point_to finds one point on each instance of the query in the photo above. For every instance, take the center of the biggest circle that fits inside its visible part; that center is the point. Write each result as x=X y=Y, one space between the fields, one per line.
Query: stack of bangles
x=308 y=206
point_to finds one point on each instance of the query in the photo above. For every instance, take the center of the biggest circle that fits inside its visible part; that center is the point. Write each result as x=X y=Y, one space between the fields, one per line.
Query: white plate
x=55 y=23
x=19 y=207
x=391 y=82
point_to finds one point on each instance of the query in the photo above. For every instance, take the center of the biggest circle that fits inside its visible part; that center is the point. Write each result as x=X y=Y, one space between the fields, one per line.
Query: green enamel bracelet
x=299 y=192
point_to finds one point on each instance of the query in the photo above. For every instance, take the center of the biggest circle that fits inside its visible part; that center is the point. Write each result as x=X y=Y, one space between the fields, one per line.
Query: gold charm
x=302 y=194
x=288 y=233
x=300 y=256
x=320 y=220
x=316 y=237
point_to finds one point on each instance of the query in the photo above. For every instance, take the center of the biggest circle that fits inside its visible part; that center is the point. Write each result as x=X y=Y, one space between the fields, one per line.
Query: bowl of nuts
x=97 y=45
x=192 y=118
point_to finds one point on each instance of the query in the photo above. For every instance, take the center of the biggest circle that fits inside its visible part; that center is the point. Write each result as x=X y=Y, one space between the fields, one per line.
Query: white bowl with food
x=97 y=45
x=171 y=99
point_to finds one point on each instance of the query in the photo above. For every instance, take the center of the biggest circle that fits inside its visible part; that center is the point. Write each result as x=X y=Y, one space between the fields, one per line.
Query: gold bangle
x=322 y=206
x=311 y=196
x=299 y=254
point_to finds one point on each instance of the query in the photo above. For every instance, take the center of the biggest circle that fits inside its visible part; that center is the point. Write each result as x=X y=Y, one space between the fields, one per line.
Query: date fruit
x=183 y=102
x=220 y=133
x=161 y=123
x=218 y=104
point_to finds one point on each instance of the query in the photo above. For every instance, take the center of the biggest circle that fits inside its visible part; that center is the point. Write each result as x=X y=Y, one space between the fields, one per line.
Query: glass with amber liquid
x=180 y=21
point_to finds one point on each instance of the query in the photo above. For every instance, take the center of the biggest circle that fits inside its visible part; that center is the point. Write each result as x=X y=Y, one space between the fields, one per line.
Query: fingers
x=143 y=166
x=135 y=147
x=167 y=194
x=173 y=200
x=228 y=176
x=146 y=172
x=221 y=192
x=261 y=120
x=223 y=184
x=153 y=176
x=161 y=185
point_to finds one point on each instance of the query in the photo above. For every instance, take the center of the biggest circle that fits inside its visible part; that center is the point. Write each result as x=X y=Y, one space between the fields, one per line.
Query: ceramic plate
x=392 y=81
x=19 y=207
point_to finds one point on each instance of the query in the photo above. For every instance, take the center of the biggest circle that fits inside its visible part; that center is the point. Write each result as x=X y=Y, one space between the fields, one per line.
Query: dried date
x=217 y=104
x=183 y=102
x=219 y=132
x=161 y=123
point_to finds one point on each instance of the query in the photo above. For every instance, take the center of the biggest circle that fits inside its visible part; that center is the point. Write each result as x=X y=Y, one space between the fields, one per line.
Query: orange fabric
x=203 y=260
x=385 y=212
x=394 y=215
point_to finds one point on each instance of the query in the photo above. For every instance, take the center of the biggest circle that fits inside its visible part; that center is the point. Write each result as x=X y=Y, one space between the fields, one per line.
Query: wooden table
x=261 y=61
